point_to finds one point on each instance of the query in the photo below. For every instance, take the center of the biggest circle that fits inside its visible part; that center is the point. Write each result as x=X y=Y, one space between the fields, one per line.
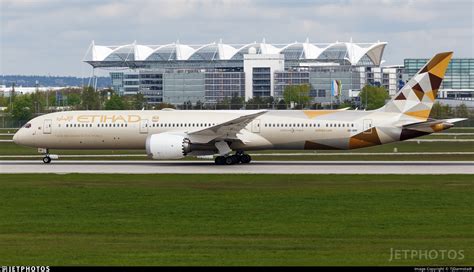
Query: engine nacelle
x=166 y=146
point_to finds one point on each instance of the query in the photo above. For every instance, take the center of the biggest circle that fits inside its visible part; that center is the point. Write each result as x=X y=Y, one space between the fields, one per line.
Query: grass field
x=233 y=219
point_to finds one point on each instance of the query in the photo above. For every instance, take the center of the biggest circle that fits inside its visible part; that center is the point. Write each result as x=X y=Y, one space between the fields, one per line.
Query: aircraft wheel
x=245 y=158
x=236 y=159
x=229 y=160
x=220 y=160
x=46 y=159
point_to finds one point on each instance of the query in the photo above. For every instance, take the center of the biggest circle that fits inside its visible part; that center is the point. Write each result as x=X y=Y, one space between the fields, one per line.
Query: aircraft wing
x=223 y=131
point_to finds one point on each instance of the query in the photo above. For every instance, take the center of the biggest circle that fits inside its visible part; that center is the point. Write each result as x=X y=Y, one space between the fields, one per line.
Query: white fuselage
x=129 y=129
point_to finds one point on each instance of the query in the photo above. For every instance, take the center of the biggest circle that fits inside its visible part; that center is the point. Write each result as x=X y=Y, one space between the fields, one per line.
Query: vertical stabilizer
x=416 y=98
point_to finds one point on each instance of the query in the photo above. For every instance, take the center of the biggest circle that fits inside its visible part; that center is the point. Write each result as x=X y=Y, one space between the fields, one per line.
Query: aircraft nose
x=16 y=137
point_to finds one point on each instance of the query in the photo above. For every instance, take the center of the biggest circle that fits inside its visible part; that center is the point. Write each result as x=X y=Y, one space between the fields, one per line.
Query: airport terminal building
x=458 y=83
x=176 y=73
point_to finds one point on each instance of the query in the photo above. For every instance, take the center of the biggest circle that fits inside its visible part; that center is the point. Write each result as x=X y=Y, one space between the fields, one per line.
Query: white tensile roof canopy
x=349 y=51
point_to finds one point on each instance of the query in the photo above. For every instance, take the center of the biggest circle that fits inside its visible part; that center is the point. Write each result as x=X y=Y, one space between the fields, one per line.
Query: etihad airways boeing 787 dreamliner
x=174 y=134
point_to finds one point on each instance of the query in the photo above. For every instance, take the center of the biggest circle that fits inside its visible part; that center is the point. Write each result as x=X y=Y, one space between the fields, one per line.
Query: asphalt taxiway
x=255 y=167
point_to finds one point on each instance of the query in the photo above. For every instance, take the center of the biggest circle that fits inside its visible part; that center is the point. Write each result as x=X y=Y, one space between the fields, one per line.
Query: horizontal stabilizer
x=454 y=120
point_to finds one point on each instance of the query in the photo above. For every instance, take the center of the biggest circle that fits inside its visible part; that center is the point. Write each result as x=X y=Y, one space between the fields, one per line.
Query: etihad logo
x=64 y=118
x=130 y=118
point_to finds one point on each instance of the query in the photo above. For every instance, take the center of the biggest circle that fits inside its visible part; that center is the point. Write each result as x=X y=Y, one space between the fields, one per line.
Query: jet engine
x=167 y=146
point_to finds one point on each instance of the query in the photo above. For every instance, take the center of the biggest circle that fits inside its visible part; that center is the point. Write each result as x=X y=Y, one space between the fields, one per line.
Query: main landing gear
x=233 y=159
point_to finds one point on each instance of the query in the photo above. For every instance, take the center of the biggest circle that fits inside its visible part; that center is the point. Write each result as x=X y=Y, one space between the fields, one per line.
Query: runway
x=255 y=167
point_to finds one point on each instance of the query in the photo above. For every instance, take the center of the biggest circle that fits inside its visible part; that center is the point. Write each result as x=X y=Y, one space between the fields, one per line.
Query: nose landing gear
x=47 y=157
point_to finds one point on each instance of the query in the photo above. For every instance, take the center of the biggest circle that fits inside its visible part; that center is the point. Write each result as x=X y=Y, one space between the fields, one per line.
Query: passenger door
x=144 y=126
x=256 y=126
x=47 y=126
x=367 y=126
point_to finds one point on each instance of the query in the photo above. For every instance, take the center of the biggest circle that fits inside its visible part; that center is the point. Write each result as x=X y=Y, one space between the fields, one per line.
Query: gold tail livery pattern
x=416 y=98
x=413 y=103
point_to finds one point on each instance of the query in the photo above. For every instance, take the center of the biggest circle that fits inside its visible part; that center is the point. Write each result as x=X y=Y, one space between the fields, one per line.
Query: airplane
x=228 y=134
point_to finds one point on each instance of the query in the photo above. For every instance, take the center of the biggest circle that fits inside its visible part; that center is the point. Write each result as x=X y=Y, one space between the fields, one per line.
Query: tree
x=345 y=104
x=187 y=105
x=22 y=110
x=254 y=103
x=115 y=103
x=223 y=104
x=73 y=99
x=298 y=94
x=462 y=111
x=90 y=99
x=439 y=111
x=375 y=97
x=198 y=105
x=138 y=101
x=3 y=101
x=236 y=102
x=281 y=104
x=268 y=102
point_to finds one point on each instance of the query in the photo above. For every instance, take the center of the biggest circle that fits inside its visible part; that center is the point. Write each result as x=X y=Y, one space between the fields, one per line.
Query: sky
x=51 y=37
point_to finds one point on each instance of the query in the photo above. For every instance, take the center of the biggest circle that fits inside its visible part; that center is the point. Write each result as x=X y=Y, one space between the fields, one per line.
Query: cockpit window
x=28 y=125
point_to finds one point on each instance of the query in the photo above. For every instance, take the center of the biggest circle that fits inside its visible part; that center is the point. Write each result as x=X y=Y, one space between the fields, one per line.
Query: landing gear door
x=256 y=126
x=144 y=126
x=47 y=126
x=368 y=126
